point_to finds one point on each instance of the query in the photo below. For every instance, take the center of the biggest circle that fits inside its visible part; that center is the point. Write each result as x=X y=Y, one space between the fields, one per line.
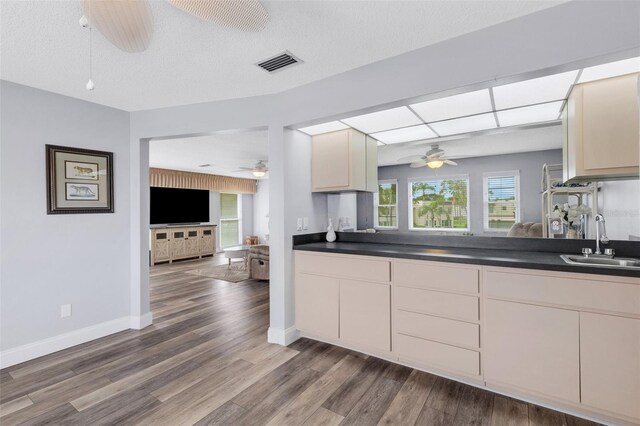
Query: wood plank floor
x=206 y=361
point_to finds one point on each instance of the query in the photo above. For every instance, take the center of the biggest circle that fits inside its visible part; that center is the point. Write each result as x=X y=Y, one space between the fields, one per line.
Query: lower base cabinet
x=566 y=339
x=533 y=348
x=610 y=375
x=365 y=314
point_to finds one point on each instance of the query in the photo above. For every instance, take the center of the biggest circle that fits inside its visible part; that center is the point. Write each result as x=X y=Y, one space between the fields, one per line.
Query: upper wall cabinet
x=345 y=160
x=602 y=131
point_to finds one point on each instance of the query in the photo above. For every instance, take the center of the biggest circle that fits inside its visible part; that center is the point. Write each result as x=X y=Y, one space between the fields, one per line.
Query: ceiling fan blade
x=246 y=15
x=246 y=169
x=127 y=24
x=450 y=162
x=410 y=158
x=417 y=164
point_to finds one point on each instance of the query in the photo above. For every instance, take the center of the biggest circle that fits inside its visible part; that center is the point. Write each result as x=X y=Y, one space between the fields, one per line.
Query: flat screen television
x=171 y=206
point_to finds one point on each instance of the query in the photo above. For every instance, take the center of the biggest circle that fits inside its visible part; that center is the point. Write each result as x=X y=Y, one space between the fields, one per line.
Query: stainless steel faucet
x=601 y=238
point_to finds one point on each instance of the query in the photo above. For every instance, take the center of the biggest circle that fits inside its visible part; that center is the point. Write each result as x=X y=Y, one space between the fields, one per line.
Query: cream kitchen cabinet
x=564 y=339
x=346 y=160
x=610 y=363
x=317 y=305
x=365 y=314
x=533 y=348
x=345 y=300
x=601 y=130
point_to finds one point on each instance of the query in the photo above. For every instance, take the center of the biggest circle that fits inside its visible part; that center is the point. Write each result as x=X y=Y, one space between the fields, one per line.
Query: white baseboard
x=50 y=345
x=283 y=337
x=138 y=323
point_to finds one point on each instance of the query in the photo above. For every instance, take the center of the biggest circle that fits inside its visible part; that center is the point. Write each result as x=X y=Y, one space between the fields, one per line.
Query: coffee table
x=237 y=252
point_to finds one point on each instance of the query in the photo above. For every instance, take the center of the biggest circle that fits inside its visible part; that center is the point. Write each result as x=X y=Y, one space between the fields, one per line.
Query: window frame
x=238 y=219
x=410 y=183
x=376 y=200
x=485 y=198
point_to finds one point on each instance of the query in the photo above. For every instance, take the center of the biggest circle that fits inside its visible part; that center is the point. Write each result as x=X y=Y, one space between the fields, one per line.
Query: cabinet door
x=192 y=246
x=207 y=241
x=317 y=301
x=533 y=348
x=330 y=161
x=365 y=314
x=178 y=248
x=161 y=246
x=610 y=363
x=610 y=124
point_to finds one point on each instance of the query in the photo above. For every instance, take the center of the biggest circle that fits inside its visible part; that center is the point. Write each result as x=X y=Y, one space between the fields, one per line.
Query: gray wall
x=50 y=260
x=529 y=164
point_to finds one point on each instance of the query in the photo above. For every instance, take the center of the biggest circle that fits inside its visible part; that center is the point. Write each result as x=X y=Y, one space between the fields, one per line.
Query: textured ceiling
x=192 y=61
x=225 y=152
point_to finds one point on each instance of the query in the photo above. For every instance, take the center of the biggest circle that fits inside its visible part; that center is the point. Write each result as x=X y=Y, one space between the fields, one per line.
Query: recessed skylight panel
x=454 y=106
x=531 y=114
x=319 y=129
x=538 y=90
x=612 y=69
x=383 y=120
x=465 y=125
x=407 y=134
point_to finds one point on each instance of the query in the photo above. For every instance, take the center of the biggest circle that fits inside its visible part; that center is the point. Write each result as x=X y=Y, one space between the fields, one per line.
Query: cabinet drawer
x=436 y=328
x=565 y=291
x=437 y=303
x=344 y=266
x=437 y=355
x=428 y=275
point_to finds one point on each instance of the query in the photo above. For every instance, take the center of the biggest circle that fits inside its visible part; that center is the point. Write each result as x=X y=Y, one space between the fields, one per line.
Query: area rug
x=234 y=273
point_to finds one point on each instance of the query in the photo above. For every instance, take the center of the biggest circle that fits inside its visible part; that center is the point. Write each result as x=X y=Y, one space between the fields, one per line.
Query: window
x=386 y=205
x=230 y=220
x=501 y=200
x=439 y=204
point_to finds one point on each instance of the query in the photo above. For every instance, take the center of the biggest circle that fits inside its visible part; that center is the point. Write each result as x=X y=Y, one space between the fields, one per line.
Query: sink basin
x=605 y=262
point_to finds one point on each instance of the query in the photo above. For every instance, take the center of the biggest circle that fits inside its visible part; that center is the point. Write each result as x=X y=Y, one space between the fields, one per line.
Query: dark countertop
x=490 y=257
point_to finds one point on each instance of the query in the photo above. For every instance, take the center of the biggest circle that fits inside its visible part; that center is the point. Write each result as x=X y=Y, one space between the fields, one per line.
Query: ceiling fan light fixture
x=259 y=173
x=435 y=164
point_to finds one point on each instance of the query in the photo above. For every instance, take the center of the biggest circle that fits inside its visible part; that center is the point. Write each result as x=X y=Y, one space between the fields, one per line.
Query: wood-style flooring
x=206 y=361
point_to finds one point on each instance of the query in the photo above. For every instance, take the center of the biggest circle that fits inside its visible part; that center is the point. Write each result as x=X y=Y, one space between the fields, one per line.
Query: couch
x=259 y=262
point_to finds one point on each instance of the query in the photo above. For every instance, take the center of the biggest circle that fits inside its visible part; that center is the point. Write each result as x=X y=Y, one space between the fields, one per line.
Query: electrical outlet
x=305 y=223
x=65 y=311
x=299 y=224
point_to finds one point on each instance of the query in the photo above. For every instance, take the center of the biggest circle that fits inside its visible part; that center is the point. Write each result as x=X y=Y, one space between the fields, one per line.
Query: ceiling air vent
x=278 y=62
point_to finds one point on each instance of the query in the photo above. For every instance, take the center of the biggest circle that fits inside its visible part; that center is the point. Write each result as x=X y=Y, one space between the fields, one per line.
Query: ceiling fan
x=128 y=24
x=434 y=158
x=259 y=170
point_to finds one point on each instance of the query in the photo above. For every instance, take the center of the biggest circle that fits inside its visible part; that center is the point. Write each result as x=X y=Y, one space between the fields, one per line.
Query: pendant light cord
x=90 y=52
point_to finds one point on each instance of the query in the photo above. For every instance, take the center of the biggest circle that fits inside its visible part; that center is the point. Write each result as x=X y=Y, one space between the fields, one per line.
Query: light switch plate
x=305 y=223
x=65 y=311
x=299 y=225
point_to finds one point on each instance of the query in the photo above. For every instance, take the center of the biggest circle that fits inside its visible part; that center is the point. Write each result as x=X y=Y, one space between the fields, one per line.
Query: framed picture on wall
x=79 y=180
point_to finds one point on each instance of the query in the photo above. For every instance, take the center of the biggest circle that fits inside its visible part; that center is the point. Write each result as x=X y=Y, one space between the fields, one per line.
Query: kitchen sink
x=605 y=262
